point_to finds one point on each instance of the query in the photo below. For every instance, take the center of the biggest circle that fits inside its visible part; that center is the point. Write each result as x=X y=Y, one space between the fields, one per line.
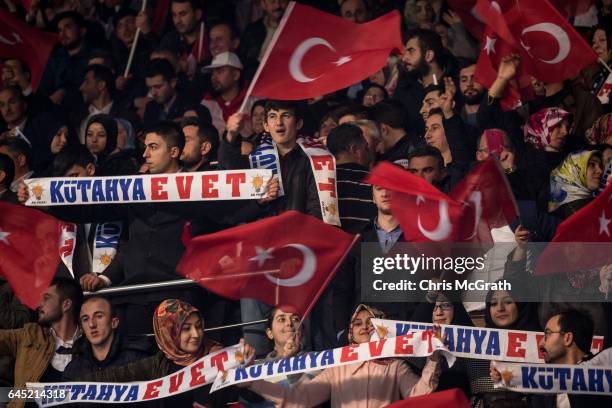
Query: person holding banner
x=179 y=333
x=567 y=340
x=367 y=384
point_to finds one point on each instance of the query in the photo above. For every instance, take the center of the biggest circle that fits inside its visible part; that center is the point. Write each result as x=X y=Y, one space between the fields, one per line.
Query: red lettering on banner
x=196 y=375
x=235 y=179
x=402 y=346
x=152 y=389
x=176 y=381
x=329 y=186
x=67 y=248
x=208 y=190
x=183 y=186
x=217 y=361
x=514 y=344
x=376 y=347
x=157 y=188
x=319 y=161
x=428 y=336
x=539 y=338
x=597 y=345
x=348 y=353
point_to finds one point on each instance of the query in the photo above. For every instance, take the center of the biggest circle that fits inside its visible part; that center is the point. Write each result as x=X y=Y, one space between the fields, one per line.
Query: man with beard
x=201 y=145
x=229 y=90
x=424 y=63
x=472 y=93
x=43 y=350
x=66 y=67
x=186 y=17
x=567 y=340
x=258 y=35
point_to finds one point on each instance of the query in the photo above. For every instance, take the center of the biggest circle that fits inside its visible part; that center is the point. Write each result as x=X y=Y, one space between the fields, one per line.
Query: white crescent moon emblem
x=9 y=42
x=558 y=33
x=295 y=62
x=305 y=274
x=444 y=227
x=476 y=198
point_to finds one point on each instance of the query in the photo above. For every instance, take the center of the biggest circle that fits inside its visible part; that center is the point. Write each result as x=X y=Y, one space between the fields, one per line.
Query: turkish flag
x=583 y=241
x=283 y=260
x=19 y=40
x=28 y=250
x=466 y=9
x=314 y=53
x=450 y=398
x=550 y=49
x=483 y=200
x=158 y=21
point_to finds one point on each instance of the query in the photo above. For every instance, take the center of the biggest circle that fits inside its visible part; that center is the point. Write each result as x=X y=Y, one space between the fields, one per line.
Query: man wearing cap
x=229 y=89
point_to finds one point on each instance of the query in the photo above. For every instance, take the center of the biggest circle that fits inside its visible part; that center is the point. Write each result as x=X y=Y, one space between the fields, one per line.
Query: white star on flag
x=490 y=45
x=343 y=60
x=3 y=236
x=603 y=224
x=262 y=255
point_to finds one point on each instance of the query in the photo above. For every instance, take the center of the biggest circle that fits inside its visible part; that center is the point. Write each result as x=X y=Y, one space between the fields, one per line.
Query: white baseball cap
x=224 y=59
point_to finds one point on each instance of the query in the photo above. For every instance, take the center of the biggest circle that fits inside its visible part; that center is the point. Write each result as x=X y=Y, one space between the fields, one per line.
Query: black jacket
x=398 y=154
x=252 y=39
x=298 y=181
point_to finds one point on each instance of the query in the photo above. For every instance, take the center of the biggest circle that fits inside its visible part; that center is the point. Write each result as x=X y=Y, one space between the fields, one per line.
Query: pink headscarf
x=540 y=125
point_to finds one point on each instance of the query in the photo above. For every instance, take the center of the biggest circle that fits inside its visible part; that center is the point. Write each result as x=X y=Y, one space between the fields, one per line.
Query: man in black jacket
x=105 y=346
x=395 y=142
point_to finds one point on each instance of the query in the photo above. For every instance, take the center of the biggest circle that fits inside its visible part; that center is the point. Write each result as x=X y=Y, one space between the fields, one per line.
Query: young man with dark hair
x=105 y=347
x=427 y=163
x=42 y=350
x=20 y=152
x=7 y=173
x=186 y=18
x=258 y=35
x=396 y=143
x=424 y=63
x=15 y=72
x=167 y=103
x=201 y=145
x=349 y=147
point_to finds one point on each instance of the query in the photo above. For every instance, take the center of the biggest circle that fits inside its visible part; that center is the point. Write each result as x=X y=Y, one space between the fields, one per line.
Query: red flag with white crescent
x=284 y=260
x=314 y=53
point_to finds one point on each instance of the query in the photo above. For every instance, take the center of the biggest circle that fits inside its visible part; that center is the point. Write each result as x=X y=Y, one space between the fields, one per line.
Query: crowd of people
x=177 y=109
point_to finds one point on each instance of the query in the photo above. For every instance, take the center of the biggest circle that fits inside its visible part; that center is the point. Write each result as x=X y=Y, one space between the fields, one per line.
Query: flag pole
x=602 y=62
x=200 y=42
x=277 y=34
x=134 y=44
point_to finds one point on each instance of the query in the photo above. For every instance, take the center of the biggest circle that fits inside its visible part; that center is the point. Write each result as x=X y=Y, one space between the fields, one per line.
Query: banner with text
x=478 y=342
x=198 y=374
x=146 y=188
x=417 y=344
x=555 y=378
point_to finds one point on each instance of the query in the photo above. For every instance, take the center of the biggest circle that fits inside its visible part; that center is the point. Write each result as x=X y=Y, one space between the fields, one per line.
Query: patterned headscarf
x=600 y=131
x=539 y=127
x=167 y=322
x=568 y=180
x=373 y=312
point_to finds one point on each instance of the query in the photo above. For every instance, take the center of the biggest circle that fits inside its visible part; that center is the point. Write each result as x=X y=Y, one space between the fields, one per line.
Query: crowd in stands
x=178 y=110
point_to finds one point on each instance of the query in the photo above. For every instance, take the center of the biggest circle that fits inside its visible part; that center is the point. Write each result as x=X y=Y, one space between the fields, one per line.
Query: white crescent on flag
x=9 y=42
x=558 y=34
x=306 y=272
x=295 y=62
x=444 y=227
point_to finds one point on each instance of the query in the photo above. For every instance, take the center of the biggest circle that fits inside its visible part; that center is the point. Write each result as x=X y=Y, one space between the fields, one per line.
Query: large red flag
x=550 y=49
x=314 y=53
x=284 y=260
x=19 y=40
x=444 y=399
x=28 y=250
x=583 y=241
x=483 y=200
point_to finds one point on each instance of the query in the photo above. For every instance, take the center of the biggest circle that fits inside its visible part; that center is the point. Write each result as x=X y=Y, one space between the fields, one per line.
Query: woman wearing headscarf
x=179 y=334
x=440 y=308
x=58 y=136
x=601 y=131
x=574 y=182
x=546 y=133
x=374 y=383
x=101 y=139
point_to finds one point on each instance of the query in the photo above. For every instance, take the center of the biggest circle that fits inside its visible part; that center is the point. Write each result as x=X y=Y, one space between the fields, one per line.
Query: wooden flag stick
x=134 y=44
